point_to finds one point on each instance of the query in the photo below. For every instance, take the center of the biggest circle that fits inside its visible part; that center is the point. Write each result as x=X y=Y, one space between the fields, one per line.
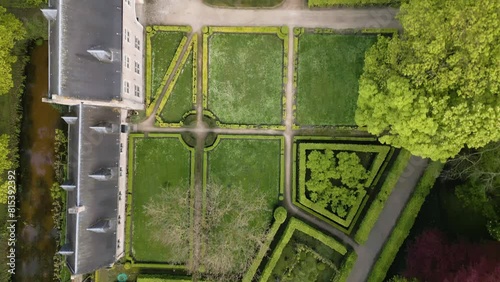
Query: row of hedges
x=192 y=48
x=339 y=146
x=381 y=150
x=378 y=203
x=405 y=223
x=130 y=178
x=280 y=215
x=349 y=3
x=346 y=267
x=295 y=224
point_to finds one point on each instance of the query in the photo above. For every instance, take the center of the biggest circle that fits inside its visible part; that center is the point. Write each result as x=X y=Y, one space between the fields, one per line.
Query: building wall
x=132 y=56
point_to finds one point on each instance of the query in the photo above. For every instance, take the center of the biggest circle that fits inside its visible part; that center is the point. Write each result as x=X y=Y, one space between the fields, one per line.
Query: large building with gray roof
x=96 y=64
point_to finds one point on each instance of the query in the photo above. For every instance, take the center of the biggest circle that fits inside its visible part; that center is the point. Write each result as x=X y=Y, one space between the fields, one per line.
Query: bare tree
x=169 y=220
x=234 y=226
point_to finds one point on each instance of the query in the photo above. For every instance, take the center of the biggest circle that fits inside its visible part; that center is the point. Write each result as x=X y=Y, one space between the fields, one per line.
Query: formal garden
x=207 y=190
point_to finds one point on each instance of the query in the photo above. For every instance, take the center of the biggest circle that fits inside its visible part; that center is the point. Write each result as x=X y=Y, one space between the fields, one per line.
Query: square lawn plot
x=158 y=163
x=245 y=81
x=329 y=66
x=252 y=166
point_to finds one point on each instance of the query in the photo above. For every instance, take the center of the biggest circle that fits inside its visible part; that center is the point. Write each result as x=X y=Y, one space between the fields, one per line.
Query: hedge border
x=375 y=172
x=378 y=203
x=249 y=275
x=405 y=223
x=130 y=178
x=282 y=32
x=293 y=225
x=346 y=268
x=150 y=32
x=312 y=5
x=299 y=31
x=192 y=50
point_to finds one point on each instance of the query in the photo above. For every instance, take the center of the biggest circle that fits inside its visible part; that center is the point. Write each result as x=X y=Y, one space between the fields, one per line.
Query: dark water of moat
x=36 y=237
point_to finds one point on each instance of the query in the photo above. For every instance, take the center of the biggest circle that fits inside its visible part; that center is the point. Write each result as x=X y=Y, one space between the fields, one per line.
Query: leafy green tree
x=11 y=30
x=434 y=90
x=4 y=192
x=5 y=162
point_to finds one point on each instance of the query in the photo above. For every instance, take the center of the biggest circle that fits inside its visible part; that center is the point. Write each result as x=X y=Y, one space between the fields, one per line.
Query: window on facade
x=137 y=68
x=137 y=43
x=127 y=35
x=137 y=90
x=127 y=62
x=126 y=87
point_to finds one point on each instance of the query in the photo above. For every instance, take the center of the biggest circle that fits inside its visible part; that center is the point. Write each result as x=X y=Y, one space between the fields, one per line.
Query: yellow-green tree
x=435 y=89
x=11 y=30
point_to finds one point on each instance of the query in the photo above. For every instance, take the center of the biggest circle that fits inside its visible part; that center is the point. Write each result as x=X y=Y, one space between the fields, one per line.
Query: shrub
x=280 y=214
x=344 y=167
x=405 y=222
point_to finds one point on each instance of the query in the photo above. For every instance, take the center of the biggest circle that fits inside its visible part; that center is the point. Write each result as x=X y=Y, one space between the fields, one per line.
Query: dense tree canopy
x=335 y=180
x=434 y=90
x=480 y=171
x=5 y=164
x=434 y=257
x=11 y=30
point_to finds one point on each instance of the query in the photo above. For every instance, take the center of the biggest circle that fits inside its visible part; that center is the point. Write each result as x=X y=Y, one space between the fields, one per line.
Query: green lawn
x=253 y=167
x=245 y=78
x=158 y=162
x=180 y=100
x=243 y=3
x=328 y=71
x=332 y=3
x=163 y=45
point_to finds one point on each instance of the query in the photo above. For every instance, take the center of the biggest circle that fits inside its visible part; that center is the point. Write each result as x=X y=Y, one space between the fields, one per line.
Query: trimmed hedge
x=349 y=3
x=378 y=163
x=405 y=223
x=280 y=215
x=378 y=203
x=346 y=267
x=295 y=224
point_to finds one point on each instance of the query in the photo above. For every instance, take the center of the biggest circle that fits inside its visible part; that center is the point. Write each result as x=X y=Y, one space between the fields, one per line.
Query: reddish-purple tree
x=434 y=257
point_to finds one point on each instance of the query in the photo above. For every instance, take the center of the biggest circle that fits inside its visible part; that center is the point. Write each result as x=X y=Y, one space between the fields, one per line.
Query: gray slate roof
x=82 y=25
x=90 y=151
